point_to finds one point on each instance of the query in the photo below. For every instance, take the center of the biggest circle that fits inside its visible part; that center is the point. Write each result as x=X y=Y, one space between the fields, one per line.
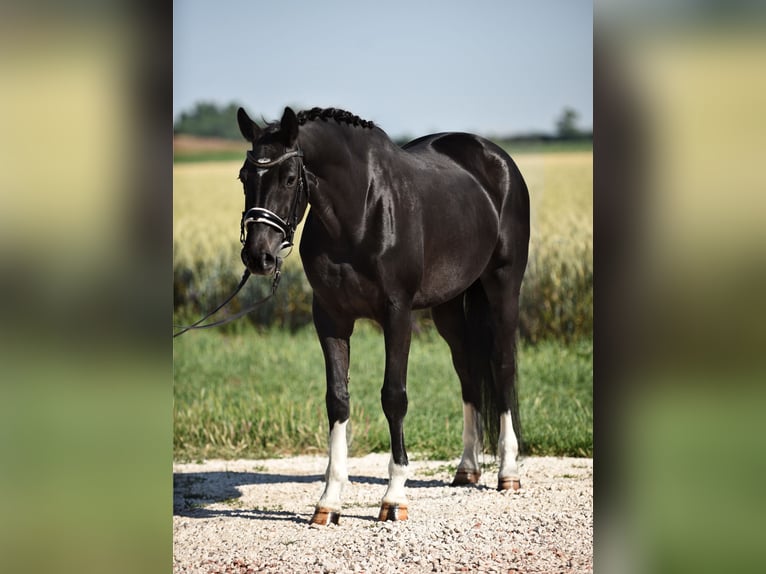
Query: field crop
x=557 y=294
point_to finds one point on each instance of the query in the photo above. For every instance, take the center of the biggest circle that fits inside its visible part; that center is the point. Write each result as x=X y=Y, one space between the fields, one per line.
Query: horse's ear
x=289 y=126
x=248 y=127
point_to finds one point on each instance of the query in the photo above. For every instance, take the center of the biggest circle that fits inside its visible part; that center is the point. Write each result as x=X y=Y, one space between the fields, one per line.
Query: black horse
x=441 y=223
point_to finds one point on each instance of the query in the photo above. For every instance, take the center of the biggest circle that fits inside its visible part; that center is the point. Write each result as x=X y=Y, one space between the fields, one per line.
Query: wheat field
x=557 y=295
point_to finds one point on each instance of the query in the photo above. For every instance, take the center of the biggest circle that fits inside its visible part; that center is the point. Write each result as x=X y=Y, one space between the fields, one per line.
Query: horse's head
x=276 y=191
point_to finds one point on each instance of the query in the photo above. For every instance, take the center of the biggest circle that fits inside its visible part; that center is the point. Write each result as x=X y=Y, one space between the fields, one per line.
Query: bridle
x=267 y=217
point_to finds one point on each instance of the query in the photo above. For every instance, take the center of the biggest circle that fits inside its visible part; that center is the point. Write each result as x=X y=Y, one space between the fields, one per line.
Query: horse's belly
x=456 y=254
x=448 y=279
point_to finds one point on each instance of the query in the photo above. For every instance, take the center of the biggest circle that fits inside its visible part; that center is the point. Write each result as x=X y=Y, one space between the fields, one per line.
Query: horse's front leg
x=334 y=335
x=397 y=331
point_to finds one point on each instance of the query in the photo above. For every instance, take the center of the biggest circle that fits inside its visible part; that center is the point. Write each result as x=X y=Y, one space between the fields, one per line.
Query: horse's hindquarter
x=460 y=193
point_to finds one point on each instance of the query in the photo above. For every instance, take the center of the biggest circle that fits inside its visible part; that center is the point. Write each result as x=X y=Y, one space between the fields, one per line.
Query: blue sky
x=413 y=67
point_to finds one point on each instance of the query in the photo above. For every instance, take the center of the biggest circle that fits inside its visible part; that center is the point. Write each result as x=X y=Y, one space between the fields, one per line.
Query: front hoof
x=508 y=484
x=325 y=516
x=393 y=512
x=465 y=477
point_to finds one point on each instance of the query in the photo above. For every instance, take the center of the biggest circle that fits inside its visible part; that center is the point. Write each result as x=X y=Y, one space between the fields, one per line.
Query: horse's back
x=488 y=163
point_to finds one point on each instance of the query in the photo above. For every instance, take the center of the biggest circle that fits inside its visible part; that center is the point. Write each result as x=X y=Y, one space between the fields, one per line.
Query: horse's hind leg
x=450 y=321
x=502 y=287
x=334 y=337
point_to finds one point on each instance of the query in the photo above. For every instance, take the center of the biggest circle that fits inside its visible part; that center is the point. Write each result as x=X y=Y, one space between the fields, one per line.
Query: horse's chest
x=342 y=286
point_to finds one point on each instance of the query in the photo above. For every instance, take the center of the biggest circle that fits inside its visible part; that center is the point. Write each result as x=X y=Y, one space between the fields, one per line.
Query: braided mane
x=341 y=116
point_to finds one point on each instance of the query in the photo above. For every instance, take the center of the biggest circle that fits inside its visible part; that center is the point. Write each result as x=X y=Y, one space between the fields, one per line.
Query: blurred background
x=85 y=298
x=86 y=212
x=679 y=238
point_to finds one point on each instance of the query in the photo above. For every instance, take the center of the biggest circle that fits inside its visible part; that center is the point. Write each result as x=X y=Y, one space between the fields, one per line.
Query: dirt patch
x=252 y=516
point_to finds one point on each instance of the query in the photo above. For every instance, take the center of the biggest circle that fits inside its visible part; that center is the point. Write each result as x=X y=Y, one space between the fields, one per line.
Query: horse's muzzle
x=260 y=264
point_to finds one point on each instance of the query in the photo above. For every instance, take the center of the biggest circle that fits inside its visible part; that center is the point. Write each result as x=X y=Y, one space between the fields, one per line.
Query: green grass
x=260 y=394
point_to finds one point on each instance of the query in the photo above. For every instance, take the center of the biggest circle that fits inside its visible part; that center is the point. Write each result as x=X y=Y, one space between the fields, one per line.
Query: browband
x=264 y=162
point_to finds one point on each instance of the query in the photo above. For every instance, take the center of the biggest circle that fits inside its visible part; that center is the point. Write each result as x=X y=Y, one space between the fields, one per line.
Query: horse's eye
x=291 y=181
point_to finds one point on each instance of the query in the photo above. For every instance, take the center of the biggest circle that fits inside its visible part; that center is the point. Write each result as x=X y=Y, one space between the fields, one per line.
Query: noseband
x=268 y=217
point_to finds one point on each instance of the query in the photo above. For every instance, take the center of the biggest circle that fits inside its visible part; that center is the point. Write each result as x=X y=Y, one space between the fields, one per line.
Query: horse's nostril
x=267 y=261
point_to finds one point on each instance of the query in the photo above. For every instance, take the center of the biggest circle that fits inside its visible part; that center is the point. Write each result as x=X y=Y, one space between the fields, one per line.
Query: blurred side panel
x=680 y=250
x=85 y=286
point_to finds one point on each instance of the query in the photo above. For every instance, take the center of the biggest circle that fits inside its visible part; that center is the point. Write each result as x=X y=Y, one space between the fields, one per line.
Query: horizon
x=532 y=134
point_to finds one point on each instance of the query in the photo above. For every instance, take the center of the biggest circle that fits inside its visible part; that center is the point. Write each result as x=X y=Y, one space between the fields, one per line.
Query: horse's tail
x=481 y=344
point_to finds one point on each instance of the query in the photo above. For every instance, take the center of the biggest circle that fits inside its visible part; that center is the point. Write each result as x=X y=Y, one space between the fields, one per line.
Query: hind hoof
x=465 y=477
x=508 y=484
x=393 y=512
x=325 y=516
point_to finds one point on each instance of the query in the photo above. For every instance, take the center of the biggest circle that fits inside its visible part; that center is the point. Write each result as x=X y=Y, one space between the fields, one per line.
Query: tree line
x=207 y=119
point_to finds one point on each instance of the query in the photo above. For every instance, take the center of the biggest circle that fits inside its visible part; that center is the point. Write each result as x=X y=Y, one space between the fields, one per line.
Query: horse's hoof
x=325 y=516
x=394 y=512
x=508 y=484
x=464 y=477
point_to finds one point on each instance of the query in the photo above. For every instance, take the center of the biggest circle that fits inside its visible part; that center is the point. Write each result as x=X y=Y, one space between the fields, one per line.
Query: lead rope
x=245 y=277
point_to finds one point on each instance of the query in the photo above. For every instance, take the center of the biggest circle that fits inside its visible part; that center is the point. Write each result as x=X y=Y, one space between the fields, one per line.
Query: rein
x=245 y=277
x=267 y=217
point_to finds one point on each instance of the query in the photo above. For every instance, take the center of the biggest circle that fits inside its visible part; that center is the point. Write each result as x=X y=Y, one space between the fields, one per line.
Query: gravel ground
x=252 y=516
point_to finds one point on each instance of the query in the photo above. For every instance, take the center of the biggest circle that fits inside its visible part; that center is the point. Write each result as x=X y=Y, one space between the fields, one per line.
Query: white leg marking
x=397 y=477
x=507 y=448
x=337 y=468
x=471 y=439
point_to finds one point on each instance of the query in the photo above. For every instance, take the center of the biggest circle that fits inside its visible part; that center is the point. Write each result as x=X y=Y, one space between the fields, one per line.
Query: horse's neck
x=340 y=162
x=328 y=146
